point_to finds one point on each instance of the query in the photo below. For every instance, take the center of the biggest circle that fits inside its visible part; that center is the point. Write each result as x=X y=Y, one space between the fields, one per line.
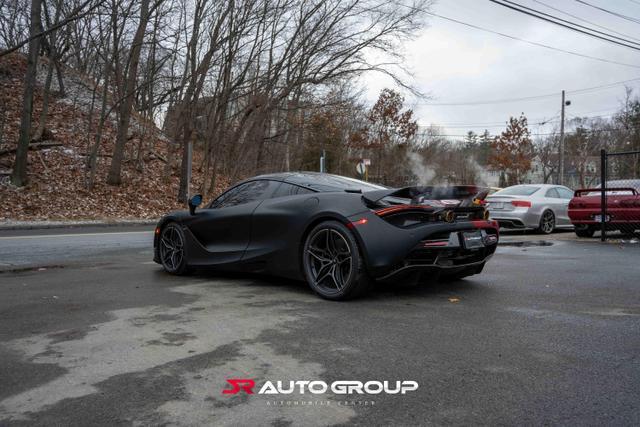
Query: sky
x=455 y=64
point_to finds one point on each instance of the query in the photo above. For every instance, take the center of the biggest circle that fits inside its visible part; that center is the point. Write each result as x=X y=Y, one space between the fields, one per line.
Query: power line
x=543 y=122
x=573 y=133
x=530 y=98
x=563 y=23
x=619 y=15
x=540 y=122
x=477 y=27
x=604 y=86
x=585 y=20
x=492 y=101
x=490 y=124
x=503 y=124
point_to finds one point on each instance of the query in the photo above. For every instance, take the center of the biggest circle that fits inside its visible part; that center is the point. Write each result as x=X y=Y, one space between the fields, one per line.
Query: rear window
x=519 y=190
x=327 y=182
x=291 y=190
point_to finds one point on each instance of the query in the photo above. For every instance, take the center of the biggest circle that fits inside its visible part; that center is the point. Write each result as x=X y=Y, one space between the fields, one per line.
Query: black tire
x=329 y=253
x=171 y=249
x=547 y=222
x=585 y=232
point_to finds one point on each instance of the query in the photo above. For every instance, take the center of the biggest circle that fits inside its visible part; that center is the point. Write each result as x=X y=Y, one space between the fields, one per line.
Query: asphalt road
x=93 y=333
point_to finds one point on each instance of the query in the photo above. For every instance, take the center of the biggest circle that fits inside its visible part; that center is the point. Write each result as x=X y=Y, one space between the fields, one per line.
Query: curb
x=45 y=225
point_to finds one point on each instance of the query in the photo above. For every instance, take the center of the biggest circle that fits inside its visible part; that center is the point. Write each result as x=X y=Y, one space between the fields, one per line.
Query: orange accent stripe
x=393 y=209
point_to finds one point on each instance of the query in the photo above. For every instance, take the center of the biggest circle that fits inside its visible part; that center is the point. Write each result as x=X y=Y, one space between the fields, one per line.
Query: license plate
x=472 y=239
x=598 y=218
x=496 y=205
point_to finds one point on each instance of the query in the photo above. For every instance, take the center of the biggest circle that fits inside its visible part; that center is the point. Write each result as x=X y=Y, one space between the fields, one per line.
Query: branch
x=72 y=17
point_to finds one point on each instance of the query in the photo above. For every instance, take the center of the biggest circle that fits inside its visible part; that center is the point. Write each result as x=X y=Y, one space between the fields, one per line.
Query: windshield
x=518 y=190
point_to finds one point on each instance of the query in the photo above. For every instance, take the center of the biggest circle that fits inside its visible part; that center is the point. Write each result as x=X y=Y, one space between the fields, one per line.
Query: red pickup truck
x=623 y=208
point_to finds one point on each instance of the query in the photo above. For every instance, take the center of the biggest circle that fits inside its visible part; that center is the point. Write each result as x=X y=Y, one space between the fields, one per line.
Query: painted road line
x=40 y=236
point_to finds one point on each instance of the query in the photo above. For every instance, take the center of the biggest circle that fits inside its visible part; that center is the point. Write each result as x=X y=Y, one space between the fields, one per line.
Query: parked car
x=542 y=207
x=337 y=233
x=623 y=208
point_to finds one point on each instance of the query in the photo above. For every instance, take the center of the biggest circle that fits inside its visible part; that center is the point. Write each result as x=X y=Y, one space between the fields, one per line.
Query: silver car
x=542 y=207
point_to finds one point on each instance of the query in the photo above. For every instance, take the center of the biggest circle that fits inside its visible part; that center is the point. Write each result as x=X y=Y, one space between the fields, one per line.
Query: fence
x=620 y=193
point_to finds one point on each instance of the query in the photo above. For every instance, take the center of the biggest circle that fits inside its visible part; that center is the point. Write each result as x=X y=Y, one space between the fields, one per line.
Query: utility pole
x=561 y=147
x=189 y=167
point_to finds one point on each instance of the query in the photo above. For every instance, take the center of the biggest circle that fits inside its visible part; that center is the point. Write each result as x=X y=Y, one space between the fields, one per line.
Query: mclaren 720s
x=338 y=234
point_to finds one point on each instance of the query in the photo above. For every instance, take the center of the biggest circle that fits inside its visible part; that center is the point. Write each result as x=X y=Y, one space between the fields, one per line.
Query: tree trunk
x=114 y=177
x=53 y=57
x=93 y=156
x=19 y=174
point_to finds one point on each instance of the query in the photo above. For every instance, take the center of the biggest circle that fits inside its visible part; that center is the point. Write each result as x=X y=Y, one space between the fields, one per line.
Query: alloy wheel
x=171 y=248
x=329 y=259
x=548 y=222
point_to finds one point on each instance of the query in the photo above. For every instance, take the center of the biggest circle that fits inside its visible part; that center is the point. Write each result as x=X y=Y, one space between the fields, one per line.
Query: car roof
x=537 y=185
x=317 y=181
x=281 y=176
x=289 y=176
x=303 y=177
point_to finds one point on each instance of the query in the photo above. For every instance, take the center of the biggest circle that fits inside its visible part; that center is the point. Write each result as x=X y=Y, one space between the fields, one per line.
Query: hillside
x=57 y=188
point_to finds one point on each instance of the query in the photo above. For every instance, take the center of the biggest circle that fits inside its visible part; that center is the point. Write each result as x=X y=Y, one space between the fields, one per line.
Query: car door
x=566 y=195
x=224 y=228
x=276 y=225
x=556 y=203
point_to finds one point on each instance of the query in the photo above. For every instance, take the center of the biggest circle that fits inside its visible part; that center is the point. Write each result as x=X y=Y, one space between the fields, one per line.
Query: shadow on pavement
x=400 y=288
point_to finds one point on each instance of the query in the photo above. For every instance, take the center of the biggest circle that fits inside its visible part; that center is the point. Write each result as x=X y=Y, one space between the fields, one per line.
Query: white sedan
x=542 y=207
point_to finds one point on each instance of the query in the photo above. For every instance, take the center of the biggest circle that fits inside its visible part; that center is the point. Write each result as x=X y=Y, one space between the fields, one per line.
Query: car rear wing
x=581 y=191
x=464 y=194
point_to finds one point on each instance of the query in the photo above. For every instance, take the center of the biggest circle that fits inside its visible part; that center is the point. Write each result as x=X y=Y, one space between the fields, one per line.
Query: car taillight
x=361 y=221
x=521 y=203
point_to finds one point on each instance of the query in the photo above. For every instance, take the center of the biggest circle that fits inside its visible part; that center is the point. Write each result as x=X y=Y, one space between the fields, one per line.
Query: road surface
x=93 y=332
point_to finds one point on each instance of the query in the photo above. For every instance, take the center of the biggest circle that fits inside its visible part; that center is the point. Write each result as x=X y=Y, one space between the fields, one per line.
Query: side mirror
x=194 y=202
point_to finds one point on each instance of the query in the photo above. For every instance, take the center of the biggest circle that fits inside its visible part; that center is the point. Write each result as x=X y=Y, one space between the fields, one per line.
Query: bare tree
x=546 y=153
x=114 y=177
x=19 y=174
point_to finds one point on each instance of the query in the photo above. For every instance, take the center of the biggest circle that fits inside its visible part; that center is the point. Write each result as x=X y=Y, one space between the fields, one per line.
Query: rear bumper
x=515 y=219
x=511 y=223
x=389 y=250
x=617 y=216
x=465 y=261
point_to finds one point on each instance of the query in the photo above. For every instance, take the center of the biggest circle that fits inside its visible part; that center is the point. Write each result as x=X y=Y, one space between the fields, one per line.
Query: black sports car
x=336 y=233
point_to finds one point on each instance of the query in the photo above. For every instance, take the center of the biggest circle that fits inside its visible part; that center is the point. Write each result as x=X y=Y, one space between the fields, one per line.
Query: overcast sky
x=457 y=64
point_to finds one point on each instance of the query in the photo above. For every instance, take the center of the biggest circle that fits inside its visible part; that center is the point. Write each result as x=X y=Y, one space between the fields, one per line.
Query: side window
x=553 y=193
x=220 y=201
x=246 y=193
x=302 y=190
x=565 y=193
x=286 y=189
